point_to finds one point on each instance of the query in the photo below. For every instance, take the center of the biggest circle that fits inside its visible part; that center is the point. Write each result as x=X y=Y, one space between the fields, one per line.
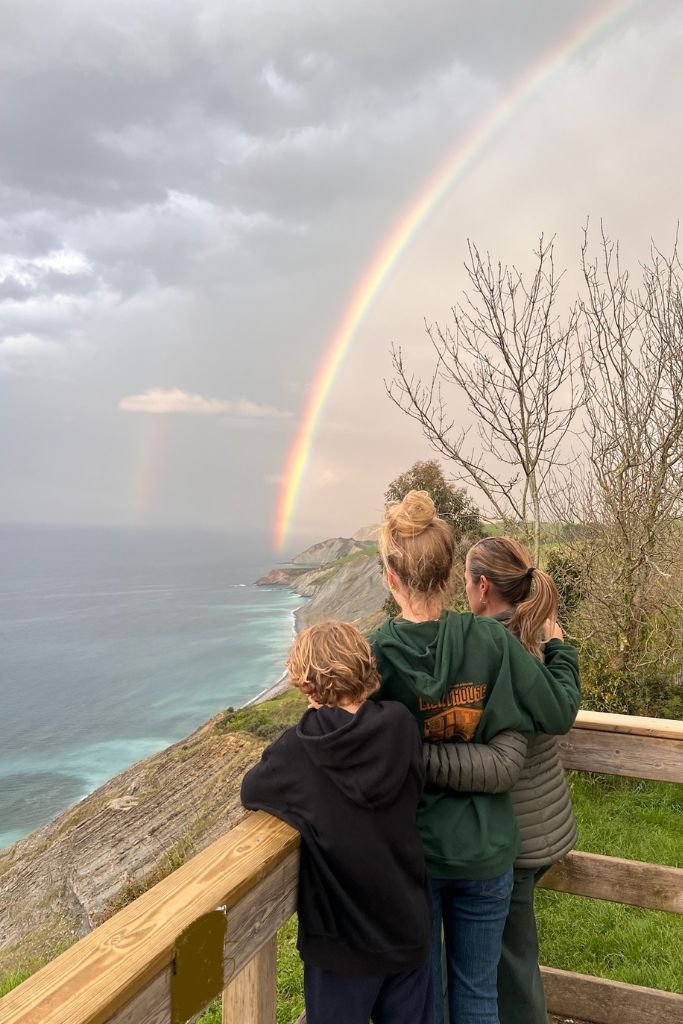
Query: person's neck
x=495 y=606
x=419 y=613
x=351 y=708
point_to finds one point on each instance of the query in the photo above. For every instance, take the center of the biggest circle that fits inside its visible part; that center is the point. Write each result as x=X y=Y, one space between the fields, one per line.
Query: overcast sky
x=190 y=190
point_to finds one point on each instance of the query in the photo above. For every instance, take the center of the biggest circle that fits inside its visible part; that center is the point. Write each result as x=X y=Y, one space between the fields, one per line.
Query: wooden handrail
x=96 y=976
x=630 y=725
x=632 y=882
x=644 y=748
x=123 y=972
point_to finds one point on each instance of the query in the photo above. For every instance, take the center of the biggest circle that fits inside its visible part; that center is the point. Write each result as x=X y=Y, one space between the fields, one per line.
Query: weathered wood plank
x=251 y=997
x=644 y=757
x=608 y=1002
x=251 y=923
x=152 y=1005
x=636 y=883
x=97 y=976
x=667 y=728
x=256 y=918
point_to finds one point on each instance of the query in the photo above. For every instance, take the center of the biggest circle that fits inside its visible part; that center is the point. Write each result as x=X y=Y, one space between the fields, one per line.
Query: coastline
x=94 y=764
x=282 y=683
x=275 y=690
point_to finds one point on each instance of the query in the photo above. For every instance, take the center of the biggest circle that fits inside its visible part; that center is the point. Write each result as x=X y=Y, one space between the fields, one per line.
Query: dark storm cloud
x=189 y=191
x=163 y=139
x=114 y=106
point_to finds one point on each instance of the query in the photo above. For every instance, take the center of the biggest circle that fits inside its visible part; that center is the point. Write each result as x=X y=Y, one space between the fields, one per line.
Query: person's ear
x=484 y=587
x=392 y=579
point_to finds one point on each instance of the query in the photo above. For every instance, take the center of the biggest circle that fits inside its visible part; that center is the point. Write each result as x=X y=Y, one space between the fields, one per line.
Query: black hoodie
x=350 y=784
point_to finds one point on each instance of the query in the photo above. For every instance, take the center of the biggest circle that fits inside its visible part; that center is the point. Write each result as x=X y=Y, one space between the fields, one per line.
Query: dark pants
x=382 y=998
x=520 y=989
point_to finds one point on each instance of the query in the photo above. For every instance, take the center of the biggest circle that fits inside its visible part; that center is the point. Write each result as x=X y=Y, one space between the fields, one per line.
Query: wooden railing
x=211 y=926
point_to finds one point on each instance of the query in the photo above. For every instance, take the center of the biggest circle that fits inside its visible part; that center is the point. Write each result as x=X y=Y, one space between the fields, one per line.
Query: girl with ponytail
x=474 y=690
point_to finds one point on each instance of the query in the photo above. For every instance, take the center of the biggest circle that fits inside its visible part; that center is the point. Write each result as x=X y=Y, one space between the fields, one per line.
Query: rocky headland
x=344 y=581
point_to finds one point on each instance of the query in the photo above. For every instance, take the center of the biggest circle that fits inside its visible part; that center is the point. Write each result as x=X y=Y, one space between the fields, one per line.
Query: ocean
x=116 y=643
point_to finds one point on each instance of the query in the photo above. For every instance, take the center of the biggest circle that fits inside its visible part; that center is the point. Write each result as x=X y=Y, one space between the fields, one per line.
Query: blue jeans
x=472 y=913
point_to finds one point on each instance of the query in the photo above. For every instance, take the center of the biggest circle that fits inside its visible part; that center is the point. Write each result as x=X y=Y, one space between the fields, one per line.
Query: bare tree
x=632 y=498
x=511 y=364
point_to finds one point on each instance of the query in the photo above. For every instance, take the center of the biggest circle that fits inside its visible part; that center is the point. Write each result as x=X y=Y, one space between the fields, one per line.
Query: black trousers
x=381 y=998
x=520 y=989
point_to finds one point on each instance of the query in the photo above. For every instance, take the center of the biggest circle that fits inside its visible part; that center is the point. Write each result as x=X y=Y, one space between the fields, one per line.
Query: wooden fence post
x=251 y=997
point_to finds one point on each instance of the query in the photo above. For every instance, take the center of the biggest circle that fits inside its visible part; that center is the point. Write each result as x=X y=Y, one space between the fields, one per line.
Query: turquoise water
x=116 y=643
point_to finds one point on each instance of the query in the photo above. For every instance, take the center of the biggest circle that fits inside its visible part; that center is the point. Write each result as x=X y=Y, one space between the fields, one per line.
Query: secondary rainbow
x=451 y=171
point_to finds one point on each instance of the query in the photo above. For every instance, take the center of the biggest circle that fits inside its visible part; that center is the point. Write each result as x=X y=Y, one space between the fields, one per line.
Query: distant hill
x=367 y=533
x=327 y=551
x=344 y=581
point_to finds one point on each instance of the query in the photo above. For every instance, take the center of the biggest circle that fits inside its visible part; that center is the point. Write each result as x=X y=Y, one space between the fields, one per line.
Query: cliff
x=367 y=533
x=64 y=878
x=345 y=581
x=93 y=858
x=352 y=590
x=328 y=551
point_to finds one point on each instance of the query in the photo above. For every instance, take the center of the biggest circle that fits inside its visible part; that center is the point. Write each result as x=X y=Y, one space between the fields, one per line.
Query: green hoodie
x=465 y=677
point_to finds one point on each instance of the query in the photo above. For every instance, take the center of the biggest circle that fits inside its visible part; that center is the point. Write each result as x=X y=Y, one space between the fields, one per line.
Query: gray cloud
x=218 y=177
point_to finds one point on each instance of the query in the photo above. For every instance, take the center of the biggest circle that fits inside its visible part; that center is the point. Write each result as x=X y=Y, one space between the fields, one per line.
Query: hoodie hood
x=428 y=655
x=362 y=754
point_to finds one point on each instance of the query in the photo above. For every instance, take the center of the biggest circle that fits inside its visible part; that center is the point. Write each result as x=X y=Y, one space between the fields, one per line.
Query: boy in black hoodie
x=349 y=778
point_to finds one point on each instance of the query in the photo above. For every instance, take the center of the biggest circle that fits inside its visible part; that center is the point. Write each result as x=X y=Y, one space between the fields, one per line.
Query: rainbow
x=451 y=171
x=153 y=448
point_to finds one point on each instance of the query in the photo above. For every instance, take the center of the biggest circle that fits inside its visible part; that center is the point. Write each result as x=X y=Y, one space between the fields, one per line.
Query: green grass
x=630 y=818
x=265 y=720
x=637 y=820
x=11 y=981
x=290 y=999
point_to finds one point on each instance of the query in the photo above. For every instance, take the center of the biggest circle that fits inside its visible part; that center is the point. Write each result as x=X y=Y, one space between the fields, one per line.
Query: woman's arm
x=550 y=692
x=492 y=767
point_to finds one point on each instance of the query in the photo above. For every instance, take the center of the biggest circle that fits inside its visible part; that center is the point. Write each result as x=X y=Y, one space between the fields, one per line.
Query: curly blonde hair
x=332 y=663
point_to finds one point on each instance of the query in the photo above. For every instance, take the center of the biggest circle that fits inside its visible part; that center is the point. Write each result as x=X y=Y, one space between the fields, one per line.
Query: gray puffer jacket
x=532 y=773
x=543 y=805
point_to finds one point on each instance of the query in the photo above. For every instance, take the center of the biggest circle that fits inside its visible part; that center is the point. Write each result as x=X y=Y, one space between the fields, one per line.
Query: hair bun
x=413 y=515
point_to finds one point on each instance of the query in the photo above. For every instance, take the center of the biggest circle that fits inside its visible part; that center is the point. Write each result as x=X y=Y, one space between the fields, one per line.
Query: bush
x=569 y=578
x=652 y=690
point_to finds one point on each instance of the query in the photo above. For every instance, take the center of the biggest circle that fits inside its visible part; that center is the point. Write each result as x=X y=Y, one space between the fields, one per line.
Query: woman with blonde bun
x=465 y=678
